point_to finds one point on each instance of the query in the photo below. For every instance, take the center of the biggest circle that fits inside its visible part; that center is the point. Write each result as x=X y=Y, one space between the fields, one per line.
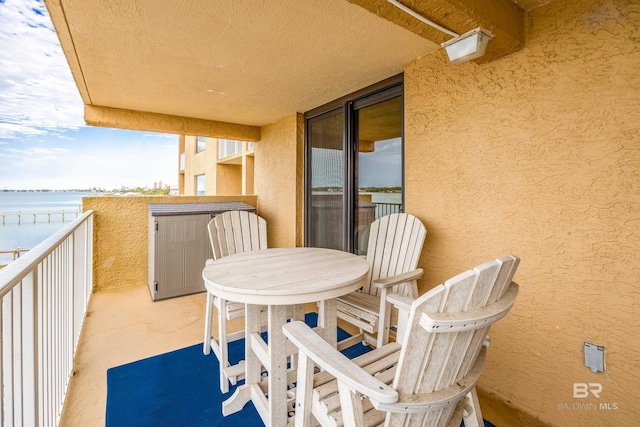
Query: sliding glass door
x=326 y=180
x=354 y=167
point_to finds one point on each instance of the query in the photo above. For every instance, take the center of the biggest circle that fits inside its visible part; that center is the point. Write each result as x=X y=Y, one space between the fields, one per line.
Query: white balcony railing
x=228 y=147
x=44 y=296
x=182 y=162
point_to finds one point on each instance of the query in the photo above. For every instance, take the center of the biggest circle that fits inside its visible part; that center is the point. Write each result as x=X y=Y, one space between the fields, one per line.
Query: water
x=27 y=234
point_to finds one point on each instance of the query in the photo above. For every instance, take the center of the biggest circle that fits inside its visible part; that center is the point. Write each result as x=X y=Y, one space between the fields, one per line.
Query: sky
x=44 y=143
x=383 y=166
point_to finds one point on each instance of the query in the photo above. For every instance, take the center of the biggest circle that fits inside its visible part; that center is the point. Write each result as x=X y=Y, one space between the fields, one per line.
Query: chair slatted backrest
x=432 y=360
x=395 y=243
x=237 y=231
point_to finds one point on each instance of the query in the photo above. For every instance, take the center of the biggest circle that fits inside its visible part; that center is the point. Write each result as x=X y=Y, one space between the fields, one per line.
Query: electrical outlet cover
x=594 y=357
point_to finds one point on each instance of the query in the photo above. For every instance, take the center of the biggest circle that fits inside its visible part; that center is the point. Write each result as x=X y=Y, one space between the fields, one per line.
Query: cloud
x=170 y=136
x=382 y=167
x=26 y=158
x=393 y=145
x=37 y=90
x=50 y=151
x=10 y=130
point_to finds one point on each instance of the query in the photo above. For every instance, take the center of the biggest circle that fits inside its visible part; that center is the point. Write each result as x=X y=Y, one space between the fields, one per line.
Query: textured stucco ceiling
x=253 y=62
x=247 y=62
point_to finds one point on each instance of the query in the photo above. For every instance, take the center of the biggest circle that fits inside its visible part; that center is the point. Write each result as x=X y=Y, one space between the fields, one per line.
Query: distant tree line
x=361 y=189
x=381 y=189
x=164 y=191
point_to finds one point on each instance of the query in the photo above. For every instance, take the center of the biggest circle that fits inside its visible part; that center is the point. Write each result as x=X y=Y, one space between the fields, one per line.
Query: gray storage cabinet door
x=182 y=250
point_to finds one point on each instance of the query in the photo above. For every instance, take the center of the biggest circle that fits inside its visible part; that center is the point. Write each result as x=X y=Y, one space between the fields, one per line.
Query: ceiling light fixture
x=470 y=45
x=461 y=48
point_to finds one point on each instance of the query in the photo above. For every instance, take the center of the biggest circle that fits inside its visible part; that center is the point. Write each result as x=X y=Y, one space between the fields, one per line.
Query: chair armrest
x=336 y=363
x=402 y=302
x=472 y=319
x=387 y=282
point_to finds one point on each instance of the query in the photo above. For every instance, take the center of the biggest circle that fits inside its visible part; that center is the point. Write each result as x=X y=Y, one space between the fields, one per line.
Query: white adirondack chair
x=230 y=232
x=393 y=251
x=423 y=378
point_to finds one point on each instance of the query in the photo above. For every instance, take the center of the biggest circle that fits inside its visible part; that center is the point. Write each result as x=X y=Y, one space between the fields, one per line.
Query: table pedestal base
x=273 y=356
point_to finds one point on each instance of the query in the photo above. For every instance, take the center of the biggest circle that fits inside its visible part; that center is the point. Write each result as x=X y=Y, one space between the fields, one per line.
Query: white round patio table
x=279 y=278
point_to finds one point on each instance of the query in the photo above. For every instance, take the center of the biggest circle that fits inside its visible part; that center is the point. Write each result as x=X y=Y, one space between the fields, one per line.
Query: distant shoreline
x=360 y=190
x=98 y=191
x=52 y=191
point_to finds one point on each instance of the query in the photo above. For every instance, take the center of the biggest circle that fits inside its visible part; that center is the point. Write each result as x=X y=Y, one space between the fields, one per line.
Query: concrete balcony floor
x=123 y=325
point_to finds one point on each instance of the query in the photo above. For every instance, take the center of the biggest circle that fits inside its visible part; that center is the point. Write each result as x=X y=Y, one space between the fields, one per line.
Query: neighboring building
x=215 y=166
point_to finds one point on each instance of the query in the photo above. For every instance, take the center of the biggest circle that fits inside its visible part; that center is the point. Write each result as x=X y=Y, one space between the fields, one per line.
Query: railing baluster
x=2 y=363
x=7 y=362
x=6 y=365
x=48 y=336
x=17 y=354
x=2 y=417
x=29 y=350
x=56 y=321
x=41 y=343
x=384 y=208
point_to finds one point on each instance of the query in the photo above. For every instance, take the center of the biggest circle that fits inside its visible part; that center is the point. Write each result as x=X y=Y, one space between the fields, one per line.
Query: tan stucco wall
x=120 y=236
x=202 y=163
x=228 y=179
x=538 y=155
x=279 y=179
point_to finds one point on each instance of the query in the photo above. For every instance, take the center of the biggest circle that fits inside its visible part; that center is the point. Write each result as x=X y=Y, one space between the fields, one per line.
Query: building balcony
x=231 y=152
x=90 y=282
x=182 y=163
x=53 y=379
x=530 y=150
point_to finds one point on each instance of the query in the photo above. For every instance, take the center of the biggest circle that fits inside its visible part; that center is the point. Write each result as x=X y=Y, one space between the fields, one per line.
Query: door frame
x=379 y=92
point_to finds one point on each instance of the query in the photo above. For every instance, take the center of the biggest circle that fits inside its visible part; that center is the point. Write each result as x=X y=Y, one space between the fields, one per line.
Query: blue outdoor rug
x=181 y=388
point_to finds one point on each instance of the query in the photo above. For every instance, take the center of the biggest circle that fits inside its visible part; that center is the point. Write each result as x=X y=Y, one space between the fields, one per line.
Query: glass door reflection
x=378 y=168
